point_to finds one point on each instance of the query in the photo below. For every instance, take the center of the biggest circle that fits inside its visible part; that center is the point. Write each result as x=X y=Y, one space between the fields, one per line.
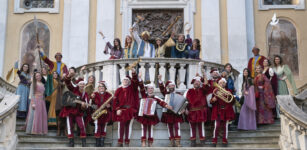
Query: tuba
x=101 y=110
x=221 y=93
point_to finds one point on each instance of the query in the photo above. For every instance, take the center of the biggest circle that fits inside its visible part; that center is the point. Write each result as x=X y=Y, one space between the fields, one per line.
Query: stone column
x=75 y=32
x=211 y=30
x=162 y=71
x=98 y=74
x=3 y=22
x=143 y=70
x=182 y=73
x=172 y=71
x=237 y=34
x=152 y=72
x=105 y=22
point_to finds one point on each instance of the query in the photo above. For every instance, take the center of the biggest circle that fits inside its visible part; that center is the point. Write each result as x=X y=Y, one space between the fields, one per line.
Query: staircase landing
x=266 y=137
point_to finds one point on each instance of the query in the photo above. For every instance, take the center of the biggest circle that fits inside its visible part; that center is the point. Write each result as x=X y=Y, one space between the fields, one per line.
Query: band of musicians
x=57 y=96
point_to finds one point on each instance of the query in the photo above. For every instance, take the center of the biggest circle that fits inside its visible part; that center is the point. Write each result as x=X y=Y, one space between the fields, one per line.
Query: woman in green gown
x=283 y=73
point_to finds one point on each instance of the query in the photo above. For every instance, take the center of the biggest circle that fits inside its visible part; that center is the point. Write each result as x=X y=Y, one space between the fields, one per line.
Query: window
x=282 y=40
x=281 y=4
x=29 y=53
x=49 y=6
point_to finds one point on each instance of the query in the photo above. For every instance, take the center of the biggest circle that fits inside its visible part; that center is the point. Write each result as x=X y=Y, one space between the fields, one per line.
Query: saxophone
x=223 y=94
x=101 y=110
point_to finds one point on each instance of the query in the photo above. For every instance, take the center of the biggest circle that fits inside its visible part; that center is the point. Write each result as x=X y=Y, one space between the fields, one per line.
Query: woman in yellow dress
x=54 y=94
x=160 y=48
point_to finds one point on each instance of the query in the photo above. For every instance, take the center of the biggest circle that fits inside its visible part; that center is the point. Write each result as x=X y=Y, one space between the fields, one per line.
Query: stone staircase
x=266 y=137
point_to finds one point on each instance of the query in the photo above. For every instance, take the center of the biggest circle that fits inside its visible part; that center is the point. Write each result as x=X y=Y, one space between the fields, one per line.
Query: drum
x=147 y=107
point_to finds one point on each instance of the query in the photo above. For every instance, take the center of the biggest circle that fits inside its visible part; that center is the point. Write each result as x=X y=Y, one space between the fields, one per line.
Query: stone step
x=144 y=148
x=25 y=138
x=231 y=134
x=185 y=143
x=266 y=137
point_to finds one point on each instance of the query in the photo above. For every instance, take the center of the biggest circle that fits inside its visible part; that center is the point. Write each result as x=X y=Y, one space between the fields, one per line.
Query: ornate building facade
x=228 y=30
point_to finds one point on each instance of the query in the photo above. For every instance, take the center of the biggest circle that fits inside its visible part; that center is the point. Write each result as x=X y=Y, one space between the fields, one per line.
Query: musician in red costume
x=125 y=107
x=255 y=61
x=100 y=98
x=75 y=114
x=172 y=120
x=222 y=114
x=148 y=122
x=197 y=108
x=214 y=77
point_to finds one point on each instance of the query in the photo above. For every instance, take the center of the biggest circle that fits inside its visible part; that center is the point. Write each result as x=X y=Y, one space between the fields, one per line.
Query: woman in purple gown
x=36 y=122
x=265 y=98
x=247 y=119
x=194 y=51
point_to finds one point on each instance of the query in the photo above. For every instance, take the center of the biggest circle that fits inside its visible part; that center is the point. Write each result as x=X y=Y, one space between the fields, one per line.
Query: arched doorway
x=282 y=40
x=29 y=40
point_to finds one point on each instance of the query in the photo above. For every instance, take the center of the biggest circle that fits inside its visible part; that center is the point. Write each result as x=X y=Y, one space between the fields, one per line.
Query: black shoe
x=71 y=143
x=224 y=144
x=193 y=143
x=120 y=145
x=203 y=143
x=213 y=145
x=102 y=142
x=83 y=142
x=98 y=142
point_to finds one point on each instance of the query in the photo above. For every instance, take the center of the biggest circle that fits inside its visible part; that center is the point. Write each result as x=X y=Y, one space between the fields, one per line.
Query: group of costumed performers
x=56 y=96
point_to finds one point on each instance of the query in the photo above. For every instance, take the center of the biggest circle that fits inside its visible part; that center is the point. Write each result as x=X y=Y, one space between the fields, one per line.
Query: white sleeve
x=239 y=85
x=136 y=37
x=185 y=94
x=271 y=72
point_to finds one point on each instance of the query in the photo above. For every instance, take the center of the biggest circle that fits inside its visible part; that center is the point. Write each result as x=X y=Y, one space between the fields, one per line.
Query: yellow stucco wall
x=15 y=24
x=55 y=23
x=298 y=18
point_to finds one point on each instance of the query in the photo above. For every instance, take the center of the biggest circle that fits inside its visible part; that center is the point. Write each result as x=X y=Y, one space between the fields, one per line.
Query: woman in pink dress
x=36 y=122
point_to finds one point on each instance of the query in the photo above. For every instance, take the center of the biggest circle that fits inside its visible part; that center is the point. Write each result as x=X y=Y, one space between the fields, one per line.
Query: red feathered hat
x=213 y=70
x=197 y=78
x=79 y=80
x=169 y=82
x=104 y=83
x=222 y=79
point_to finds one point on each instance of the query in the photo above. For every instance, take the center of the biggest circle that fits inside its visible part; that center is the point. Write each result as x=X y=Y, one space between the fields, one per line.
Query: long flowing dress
x=269 y=73
x=55 y=101
x=23 y=90
x=36 y=122
x=283 y=72
x=247 y=119
x=265 y=99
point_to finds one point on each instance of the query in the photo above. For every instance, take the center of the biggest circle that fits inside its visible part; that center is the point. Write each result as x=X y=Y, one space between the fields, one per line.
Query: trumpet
x=223 y=94
x=101 y=110
x=133 y=64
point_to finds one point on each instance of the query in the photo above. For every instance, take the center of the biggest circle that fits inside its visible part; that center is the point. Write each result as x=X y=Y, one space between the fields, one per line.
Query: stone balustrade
x=8 y=107
x=293 y=125
x=181 y=71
